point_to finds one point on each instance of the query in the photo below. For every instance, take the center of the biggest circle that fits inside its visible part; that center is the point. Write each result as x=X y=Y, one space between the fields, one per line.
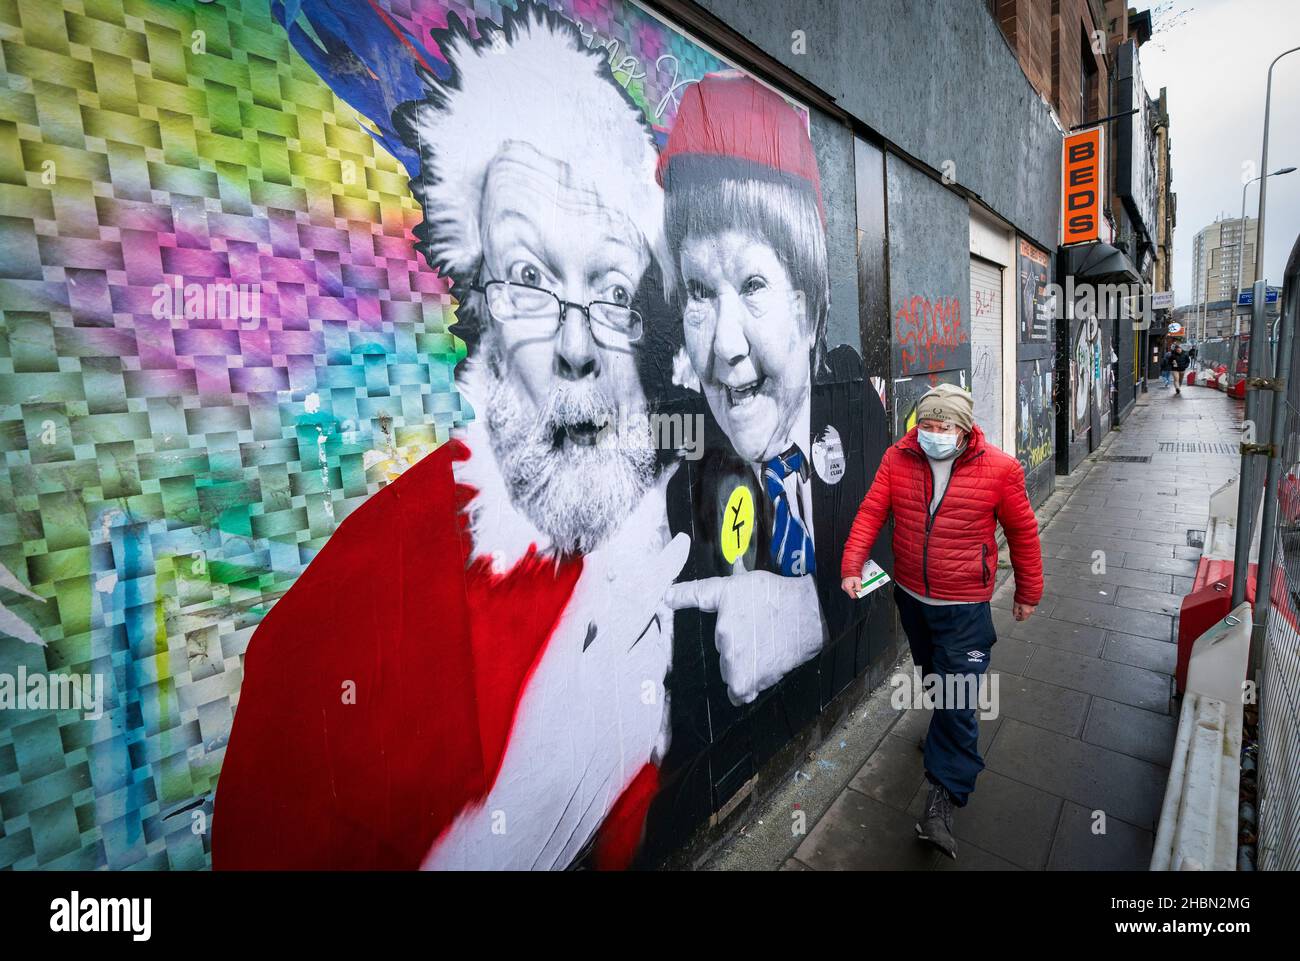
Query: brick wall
x=1047 y=37
x=1027 y=26
x=1073 y=26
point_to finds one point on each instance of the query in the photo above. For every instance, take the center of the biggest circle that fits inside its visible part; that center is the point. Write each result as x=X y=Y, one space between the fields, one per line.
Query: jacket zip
x=931 y=515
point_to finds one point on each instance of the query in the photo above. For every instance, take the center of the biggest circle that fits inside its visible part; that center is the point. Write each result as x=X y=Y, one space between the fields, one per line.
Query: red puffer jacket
x=954 y=554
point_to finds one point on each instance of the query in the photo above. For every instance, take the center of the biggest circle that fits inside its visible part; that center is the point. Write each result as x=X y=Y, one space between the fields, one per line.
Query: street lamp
x=1263 y=165
x=1258 y=352
x=1241 y=241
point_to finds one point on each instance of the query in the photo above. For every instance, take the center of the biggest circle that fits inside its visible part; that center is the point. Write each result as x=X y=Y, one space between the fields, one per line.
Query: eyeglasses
x=512 y=303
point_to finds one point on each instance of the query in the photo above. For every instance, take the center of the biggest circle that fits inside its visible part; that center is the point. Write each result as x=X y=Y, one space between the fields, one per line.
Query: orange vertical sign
x=1081 y=187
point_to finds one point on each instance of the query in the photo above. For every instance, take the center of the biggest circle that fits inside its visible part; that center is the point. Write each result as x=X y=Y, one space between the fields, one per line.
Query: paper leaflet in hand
x=873 y=576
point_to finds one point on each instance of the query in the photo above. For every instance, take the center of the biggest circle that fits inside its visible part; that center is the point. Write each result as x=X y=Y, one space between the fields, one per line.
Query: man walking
x=1179 y=361
x=1166 y=369
x=947 y=489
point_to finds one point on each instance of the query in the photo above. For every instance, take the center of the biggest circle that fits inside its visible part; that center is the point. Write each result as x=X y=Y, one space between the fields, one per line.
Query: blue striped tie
x=792 y=548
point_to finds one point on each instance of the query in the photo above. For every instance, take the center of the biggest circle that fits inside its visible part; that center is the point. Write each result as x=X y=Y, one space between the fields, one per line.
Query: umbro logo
x=975 y=656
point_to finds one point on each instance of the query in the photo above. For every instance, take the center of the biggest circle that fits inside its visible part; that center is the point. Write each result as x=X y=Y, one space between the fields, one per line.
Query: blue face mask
x=938 y=446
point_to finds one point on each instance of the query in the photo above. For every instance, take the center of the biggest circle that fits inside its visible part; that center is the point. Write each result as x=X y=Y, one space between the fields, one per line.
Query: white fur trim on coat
x=535 y=82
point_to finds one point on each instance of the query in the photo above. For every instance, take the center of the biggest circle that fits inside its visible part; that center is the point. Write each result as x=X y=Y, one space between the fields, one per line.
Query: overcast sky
x=1213 y=57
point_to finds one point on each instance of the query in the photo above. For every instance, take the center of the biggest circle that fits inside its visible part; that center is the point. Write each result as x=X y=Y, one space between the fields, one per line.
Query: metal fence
x=1215 y=352
x=1278 y=759
x=1278 y=762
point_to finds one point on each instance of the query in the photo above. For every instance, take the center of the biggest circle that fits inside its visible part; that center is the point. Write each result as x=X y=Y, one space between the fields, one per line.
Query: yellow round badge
x=737 y=524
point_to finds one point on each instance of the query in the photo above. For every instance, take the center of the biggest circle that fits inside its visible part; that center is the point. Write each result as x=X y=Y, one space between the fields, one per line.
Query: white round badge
x=828 y=456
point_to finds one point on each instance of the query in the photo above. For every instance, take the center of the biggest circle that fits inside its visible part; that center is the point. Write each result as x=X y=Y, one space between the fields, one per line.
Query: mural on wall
x=986 y=367
x=1037 y=314
x=1092 y=370
x=1035 y=419
x=1085 y=374
x=1036 y=402
x=871 y=254
x=420 y=423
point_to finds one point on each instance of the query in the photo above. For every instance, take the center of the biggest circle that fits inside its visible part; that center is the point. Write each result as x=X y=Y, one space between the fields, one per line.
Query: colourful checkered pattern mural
x=168 y=472
x=216 y=340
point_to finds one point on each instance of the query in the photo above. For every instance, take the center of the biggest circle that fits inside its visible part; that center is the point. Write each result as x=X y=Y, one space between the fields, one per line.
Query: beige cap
x=947 y=402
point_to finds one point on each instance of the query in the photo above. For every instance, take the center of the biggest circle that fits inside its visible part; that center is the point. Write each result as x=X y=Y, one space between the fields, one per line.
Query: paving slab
x=1112 y=618
x=1157 y=602
x=1093 y=776
x=1146 y=652
x=1010 y=655
x=1086 y=842
x=1159 y=565
x=893 y=772
x=1043 y=704
x=859 y=833
x=1084 y=589
x=1092 y=675
x=971 y=858
x=1131 y=730
x=1048 y=632
x=1007 y=816
x=1106 y=577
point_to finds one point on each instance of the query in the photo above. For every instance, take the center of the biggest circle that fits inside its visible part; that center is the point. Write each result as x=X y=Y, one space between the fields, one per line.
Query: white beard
x=585 y=725
x=577 y=496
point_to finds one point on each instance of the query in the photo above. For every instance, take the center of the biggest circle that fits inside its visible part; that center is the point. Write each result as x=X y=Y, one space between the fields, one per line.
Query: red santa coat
x=438 y=649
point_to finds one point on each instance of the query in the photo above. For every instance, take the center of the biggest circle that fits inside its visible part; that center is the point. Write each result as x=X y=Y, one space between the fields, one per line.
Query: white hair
x=532 y=81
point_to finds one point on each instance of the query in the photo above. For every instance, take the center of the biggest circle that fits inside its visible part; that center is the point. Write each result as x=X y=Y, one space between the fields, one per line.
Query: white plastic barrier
x=1221 y=525
x=1198 y=820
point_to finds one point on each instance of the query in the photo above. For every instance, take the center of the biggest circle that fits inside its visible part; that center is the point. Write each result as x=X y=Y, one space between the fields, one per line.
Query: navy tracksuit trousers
x=950 y=639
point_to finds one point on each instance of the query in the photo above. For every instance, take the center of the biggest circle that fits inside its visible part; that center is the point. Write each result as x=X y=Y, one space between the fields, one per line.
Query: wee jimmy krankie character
x=745 y=226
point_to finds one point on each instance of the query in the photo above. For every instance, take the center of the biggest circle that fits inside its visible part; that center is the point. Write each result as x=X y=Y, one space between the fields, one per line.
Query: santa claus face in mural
x=560 y=269
x=511 y=599
x=548 y=235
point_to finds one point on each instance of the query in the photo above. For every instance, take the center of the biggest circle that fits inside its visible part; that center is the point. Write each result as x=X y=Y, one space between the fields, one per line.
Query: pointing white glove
x=767 y=625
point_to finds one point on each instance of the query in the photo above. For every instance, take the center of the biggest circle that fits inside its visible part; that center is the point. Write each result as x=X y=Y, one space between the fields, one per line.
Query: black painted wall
x=833 y=144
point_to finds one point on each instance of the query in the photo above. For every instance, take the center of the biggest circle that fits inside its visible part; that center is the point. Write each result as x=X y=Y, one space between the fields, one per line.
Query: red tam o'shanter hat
x=731 y=116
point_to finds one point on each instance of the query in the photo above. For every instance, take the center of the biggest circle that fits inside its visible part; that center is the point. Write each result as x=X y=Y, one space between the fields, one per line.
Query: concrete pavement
x=1078 y=757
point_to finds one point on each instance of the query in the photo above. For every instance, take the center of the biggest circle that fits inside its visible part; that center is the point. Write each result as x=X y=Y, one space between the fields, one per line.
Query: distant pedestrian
x=1179 y=361
x=1166 y=369
x=948 y=488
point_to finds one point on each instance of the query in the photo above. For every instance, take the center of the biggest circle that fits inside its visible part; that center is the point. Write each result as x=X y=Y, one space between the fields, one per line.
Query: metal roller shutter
x=986 y=346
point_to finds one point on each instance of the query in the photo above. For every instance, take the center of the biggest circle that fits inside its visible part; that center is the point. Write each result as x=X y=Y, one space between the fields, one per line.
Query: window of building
x=1087 y=80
